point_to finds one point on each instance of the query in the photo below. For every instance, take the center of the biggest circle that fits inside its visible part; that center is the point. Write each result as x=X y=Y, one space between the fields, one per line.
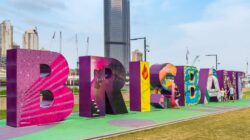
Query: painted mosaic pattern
x=192 y=90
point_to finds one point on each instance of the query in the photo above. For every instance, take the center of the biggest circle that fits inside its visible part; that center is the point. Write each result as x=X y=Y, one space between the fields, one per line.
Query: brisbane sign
x=32 y=72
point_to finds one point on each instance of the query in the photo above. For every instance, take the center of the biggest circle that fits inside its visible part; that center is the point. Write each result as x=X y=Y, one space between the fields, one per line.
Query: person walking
x=226 y=96
x=177 y=97
x=231 y=93
x=223 y=96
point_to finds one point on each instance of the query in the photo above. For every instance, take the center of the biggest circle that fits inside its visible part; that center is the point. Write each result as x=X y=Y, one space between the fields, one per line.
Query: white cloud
x=37 y=5
x=69 y=16
x=224 y=29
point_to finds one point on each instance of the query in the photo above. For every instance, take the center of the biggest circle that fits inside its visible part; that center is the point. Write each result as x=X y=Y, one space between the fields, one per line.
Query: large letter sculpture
x=239 y=79
x=139 y=86
x=162 y=79
x=187 y=81
x=209 y=86
x=233 y=78
x=101 y=81
x=224 y=80
x=30 y=73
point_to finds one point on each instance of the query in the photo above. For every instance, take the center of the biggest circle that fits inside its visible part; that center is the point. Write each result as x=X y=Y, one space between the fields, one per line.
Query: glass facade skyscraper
x=117 y=30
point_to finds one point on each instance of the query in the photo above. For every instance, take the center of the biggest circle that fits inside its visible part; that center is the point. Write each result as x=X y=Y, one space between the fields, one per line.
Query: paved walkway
x=74 y=127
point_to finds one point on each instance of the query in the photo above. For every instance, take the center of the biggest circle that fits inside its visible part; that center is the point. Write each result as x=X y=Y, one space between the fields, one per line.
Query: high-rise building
x=117 y=30
x=137 y=55
x=6 y=37
x=16 y=46
x=31 y=39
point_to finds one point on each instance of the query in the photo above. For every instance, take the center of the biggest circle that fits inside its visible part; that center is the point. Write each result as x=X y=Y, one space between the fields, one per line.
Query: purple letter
x=101 y=81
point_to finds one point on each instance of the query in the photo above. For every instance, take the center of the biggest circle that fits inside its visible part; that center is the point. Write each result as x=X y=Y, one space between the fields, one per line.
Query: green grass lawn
x=231 y=125
x=76 y=108
x=212 y=127
x=246 y=95
x=2 y=114
x=80 y=128
x=75 y=90
x=3 y=93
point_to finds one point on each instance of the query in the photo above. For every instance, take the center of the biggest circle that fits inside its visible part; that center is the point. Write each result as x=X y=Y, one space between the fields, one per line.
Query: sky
x=171 y=26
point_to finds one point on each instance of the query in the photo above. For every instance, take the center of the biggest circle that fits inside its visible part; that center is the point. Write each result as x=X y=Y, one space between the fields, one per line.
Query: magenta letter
x=30 y=73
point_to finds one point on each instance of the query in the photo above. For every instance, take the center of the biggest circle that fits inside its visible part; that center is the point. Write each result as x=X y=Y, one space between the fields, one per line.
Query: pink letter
x=30 y=73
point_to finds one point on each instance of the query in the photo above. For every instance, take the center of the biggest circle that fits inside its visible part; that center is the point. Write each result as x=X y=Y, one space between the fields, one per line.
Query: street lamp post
x=216 y=59
x=145 y=46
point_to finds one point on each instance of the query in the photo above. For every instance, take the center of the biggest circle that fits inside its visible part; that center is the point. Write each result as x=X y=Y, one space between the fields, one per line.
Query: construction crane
x=49 y=43
x=87 y=49
x=53 y=38
x=60 y=43
x=195 y=60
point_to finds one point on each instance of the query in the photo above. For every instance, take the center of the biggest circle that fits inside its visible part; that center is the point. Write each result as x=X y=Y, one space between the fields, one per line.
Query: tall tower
x=6 y=37
x=31 y=39
x=117 y=30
